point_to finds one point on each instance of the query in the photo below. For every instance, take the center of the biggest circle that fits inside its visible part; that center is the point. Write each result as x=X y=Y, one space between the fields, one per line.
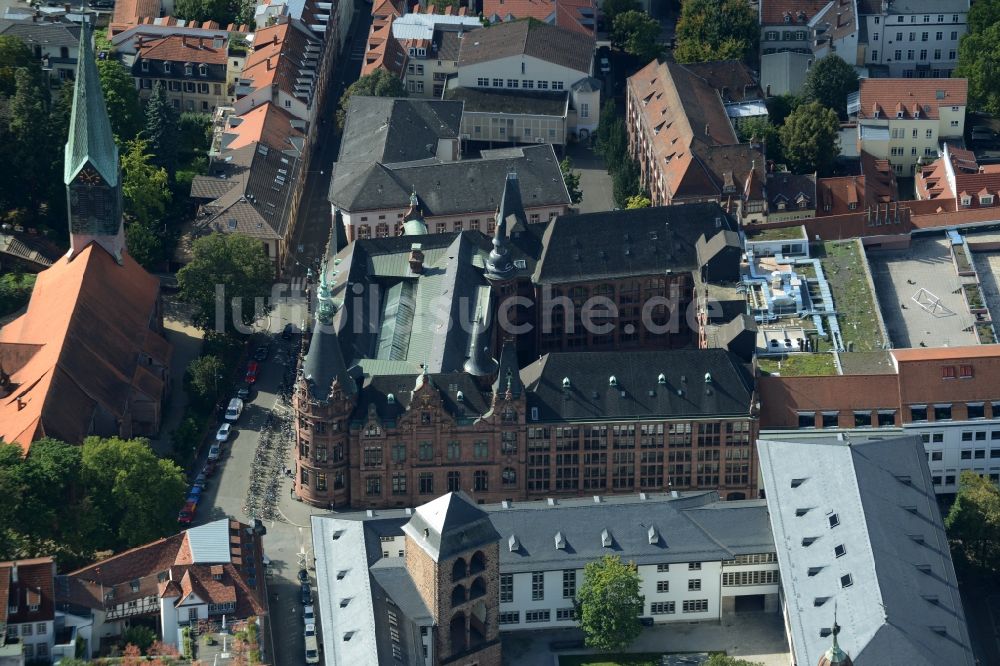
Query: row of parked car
x=309 y=619
x=232 y=414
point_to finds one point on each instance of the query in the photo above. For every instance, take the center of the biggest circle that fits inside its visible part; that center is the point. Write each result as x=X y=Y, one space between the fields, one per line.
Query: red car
x=252 y=368
x=186 y=514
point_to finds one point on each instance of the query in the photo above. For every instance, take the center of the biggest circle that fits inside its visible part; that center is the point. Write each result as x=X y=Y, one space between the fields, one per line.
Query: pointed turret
x=511 y=209
x=834 y=656
x=509 y=374
x=480 y=363
x=413 y=220
x=499 y=265
x=92 y=176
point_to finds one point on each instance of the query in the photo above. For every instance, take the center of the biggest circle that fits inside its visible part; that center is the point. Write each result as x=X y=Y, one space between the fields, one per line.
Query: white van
x=312 y=650
x=234 y=410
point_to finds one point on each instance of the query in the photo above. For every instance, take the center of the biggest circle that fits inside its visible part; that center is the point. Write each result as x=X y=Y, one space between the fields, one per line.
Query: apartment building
x=904 y=121
x=956 y=181
x=576 y=15
x=784 y=25
x=193 y=71
x=27 y=611
x=913 y=38
x=55 y=44
x=682 y=136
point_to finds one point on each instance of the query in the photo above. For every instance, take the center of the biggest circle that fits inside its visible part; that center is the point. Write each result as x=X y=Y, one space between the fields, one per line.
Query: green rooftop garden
x=798 y=365
x=776 y=234
x=612 y=659
x=844 y=268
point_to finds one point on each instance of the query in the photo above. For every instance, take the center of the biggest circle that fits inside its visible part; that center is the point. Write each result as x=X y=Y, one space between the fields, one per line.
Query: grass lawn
x=773 y=234
x=613 y=659
x=799 y=365
x=843 y=266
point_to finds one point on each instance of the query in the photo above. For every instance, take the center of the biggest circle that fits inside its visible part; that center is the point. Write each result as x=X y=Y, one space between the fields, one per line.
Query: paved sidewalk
x=186 y=340
x=595 y=181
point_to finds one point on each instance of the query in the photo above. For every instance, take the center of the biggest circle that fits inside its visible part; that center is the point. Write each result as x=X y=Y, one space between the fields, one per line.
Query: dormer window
x=188 y=69
x=145 y=65
x=781 y=205
x=788 y=18
x=166 y=67
x=899 y=114
x=986 y=200
x=203 y=70
x=966 y=201
x=852 y=205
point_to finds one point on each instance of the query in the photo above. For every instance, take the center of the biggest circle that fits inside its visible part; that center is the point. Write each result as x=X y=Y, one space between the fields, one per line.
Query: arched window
x=458 y=595
x=457 y=630
x=478 y=562
x=458 y=570
x=478 y=588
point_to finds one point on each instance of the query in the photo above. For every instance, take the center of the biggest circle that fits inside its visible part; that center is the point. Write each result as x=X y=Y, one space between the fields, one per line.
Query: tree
x=139 y=636
x=780 y=107
x=571 y=179
x=202 y=377
x=122 y=99
x=134 y=493
x=716 y=30
x=829 y=81
x=606 y=123
x=809 y=139
x=145 y=186
x=162 y=129
x=719 y=659
x=380 y=83
x=205 y=10
x=983 y=14
x=14 y=55
x=625 y=181
x=609 y=603
x=761 y=129
x=144 y=245
x=612 y=8
x=973 y=523
x=637 y=33
x=32 y=140
x=638 y=201
x=237 y=264
x=979 y=62
x=49 y=476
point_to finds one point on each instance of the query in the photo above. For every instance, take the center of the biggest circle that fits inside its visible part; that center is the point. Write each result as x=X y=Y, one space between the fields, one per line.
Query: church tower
x=92 y=174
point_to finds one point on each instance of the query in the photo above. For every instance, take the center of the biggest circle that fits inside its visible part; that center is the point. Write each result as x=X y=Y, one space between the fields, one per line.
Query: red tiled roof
x=570 y=14
x=909 y=96
x=773 y=12
x=34 y=586
x=876 y=185
x=130 y=12
x=180 y=48
x=278 y=52
x=266 y=124
x=944 y=353
x=76 y=349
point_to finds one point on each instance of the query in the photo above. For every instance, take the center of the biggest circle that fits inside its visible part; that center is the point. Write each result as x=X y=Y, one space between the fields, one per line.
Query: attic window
x=344 y=602
x=846 y=580
x=560 y=541
x=654 y=536
x=797 y=482
x=899 y=114
x=840 y=550
x=834 y=519
x=145 y=65
x=606 y=539
x=986 y=200
x=341 y=574
x=801 y=512
x=134 y=585
x=942 y=631
x=338 y=534
x=814 y=570
x=808 y=541
x=348 y=636
x=513 y=545
x=819 y=601
x=231 y=224
x=203 y=70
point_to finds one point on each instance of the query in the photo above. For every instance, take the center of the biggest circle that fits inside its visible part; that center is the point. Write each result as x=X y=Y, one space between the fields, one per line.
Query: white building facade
x=914 y=38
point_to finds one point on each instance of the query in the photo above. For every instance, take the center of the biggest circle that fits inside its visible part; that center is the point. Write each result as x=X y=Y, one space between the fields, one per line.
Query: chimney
x=416 y=259
x=274 y=39
x=269 y=64
x=184 y=41
x=67 y=7
x=707 y=128
x=21 y=404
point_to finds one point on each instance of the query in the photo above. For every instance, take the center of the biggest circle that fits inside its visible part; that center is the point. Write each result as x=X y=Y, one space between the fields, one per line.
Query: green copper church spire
x=92 y=176
x=90 y=136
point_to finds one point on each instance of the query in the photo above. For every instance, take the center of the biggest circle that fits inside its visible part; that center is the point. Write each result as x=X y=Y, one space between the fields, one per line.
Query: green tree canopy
x=973 y=523
x=135 y=493
x=625 y=181
x=761 y=129
x=31 y=140
x=240 y=266
x=571 y=179
x=809 y=139
x=637 y=33
x=122 y=99
x=983 y=14
x=203 y=375
x=162 y=129
x=140 y=636
x=222 y=11
x=612 y=8
x=780 y=107
x=829 y=81
x=14 y=55
x=638 y=201
x=145 y=187
x=609 y=604
x=380 y=83
x=716 y=30
x=979 y=62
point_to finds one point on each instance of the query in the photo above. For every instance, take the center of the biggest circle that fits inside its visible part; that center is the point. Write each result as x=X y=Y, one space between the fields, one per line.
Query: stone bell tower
x=453 y=556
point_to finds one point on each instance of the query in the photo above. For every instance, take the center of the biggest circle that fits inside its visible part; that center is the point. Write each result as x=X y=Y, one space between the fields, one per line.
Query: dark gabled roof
x=626 y=243
x=731 y=78
x=391 y=130
x=486 y=100
x=449 y=525
x=43 y=33
x=324 y=363
x=376 y=391
x=709 y=245
x=550 y=43
x=591 y=396
x=450 y=188
x=788 y=187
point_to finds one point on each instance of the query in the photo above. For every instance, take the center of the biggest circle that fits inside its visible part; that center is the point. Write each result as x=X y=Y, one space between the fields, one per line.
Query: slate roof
x=451 y=188
x=788 y=187
x=390 y=130
x=875 y=499
x=707 y=247
x=75 y=352
x=591 y=396
x=450 y=525
x=559 y=46
x=44 y=33
x=626 y=243
x=486 y=100
x=695 y=527
x=376 y=390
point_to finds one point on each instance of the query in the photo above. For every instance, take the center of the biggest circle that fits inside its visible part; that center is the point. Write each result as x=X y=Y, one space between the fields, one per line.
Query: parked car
x=310 y=630
x=307 y=597
x=234 y=409
x=225 y=430
x=186 y=514
x=262 y=352
x=312 y=650
x=194 y=494
x=287 y=332
x=308 y=615
x=605 y=66
x=303 y=576
x=252 y=369
x=215 y=452
x=201 y=480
